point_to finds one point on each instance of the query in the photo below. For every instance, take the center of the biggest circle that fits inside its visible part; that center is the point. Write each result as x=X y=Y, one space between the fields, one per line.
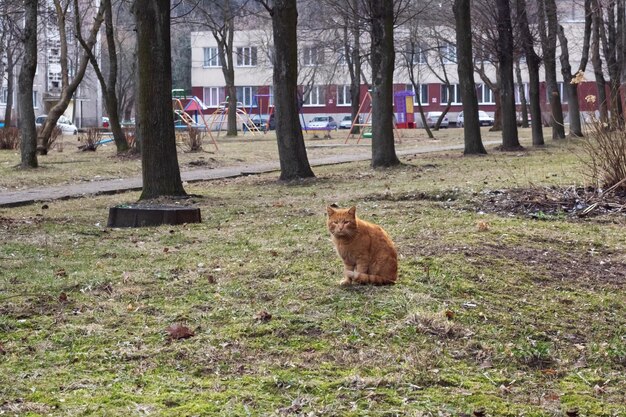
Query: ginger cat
x=368 y=254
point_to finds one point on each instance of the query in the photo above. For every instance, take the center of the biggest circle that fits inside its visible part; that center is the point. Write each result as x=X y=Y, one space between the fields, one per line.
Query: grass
x=513 y=315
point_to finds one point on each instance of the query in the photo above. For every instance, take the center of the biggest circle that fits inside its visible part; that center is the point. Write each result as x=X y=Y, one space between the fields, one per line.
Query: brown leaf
x=449 y=314
x=263 y=316
x=63 y=298
x=60 y=273
x=2 y=350
x=178 y=331
x=166 y=250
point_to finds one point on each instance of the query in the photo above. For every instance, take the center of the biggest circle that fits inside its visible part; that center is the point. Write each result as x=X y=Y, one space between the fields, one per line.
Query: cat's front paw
x=345 y=282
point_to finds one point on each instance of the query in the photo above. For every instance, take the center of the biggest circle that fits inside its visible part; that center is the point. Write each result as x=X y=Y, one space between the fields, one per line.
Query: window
x=4 y=96
x=245 y=95
x=211 y=58
x=343 y=95
x=247 y=56
x=341 y=58
x=485 y=94
x=518 y=98
x=448 y=53
x=423 y=93
x=315 y=97
x=212 y=97
x=312 y=55
x=562 y=92
x=454 y=91
x=35 y=101
x=419 y=55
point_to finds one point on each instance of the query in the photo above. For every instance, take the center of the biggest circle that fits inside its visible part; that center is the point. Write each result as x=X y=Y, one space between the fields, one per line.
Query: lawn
x=496 y=311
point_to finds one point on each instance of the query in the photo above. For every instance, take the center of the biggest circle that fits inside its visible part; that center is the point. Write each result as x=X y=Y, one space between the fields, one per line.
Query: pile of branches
x=552 y=201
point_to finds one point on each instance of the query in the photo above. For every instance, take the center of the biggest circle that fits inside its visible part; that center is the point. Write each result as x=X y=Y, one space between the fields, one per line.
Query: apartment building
x=85 y=109
x=325 y=79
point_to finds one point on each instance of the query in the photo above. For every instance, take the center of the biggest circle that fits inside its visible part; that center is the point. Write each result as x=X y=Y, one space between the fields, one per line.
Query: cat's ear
x=330 y=210
x=352 y=211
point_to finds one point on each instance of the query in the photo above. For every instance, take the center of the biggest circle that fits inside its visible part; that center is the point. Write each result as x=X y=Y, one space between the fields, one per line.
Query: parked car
x=483 y=118
x=433 y=116
x=323 y=122
x=66 y=125
x=346 y=122
x=260 y=121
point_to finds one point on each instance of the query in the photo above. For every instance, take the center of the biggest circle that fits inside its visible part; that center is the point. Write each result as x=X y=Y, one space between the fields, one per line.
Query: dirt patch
x=545 y=202
x=550 y=266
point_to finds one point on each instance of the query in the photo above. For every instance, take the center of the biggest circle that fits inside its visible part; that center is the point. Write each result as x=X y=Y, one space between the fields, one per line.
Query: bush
x=91 y=140
x=9 y=138
x=606 y=149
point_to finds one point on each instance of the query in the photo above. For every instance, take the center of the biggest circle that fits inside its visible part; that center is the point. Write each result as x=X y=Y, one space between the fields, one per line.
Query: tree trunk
x=575 y=126
x=596 y=62
x=109 y=88
x=548 y=26
x=532 y=61
x=382 y=64
x=522 y=95
x=8 y=112
x=294 y=163
x=228 y=69
x=471 y=124
x=155 y=118
x=68 y=88
x=28 y=145
x=510 y=139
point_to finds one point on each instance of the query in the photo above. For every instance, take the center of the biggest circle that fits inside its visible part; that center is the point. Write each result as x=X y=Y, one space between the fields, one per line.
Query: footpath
x=77 y=190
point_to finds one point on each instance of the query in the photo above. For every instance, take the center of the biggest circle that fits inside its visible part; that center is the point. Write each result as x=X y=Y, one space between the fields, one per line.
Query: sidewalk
x=30 y=196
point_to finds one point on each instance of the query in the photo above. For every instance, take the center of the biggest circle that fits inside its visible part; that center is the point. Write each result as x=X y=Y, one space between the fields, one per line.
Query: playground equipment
x=405 y=116
x=182 y=113
x=365 y=128
x=220 y=115
x=264 y=106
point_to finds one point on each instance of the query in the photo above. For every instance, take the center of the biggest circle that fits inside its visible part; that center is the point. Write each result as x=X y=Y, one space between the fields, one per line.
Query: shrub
x=193 y=140
x=91 y=140
x=9 y=138
x=606 y=151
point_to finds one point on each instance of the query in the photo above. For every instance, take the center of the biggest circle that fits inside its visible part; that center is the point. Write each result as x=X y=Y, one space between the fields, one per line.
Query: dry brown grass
x=72 y=165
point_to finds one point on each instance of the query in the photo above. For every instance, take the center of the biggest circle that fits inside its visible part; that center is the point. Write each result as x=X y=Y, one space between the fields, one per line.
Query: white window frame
x=419 y=56
x=344 y=98
x=423 y=93
x=247 y=56
x=456 y=93
x=4 y=95
x=518 y=98
x=211 y=58
x=245 y=95
x=312 y=56
x=315 y=97
x=562 y=90
x=448 y=53
x=212 y=96
x=485 y=94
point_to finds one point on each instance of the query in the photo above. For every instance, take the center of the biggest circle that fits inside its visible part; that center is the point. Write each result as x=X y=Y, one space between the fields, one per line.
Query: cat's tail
x=363 y=278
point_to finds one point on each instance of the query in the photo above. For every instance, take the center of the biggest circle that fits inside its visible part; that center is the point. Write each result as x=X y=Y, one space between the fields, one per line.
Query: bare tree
x=109 y=85
x=471 y=126
x=510 y=139
x=596 y=61
x=381 y=17
x=533 y=62
x=68 y=88
x=548 y=27
x=294 y=163
x=155 y=119
x=28 y=146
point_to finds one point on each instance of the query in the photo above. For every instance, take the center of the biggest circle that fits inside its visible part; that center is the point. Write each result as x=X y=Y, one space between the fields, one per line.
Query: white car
x=346 y=122
x=66 y=125
x=483 y=119
x=323 y=122
x=433 y=116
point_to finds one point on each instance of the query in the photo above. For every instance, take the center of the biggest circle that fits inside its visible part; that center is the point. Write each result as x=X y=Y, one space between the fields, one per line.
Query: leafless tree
x=28 y=146
x=471 y=125
x=155 y=119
